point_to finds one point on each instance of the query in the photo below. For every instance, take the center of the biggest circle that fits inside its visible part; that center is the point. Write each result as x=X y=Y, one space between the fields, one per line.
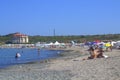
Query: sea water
x=7 y=55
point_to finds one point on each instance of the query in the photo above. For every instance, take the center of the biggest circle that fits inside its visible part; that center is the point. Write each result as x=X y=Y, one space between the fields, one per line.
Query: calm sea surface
x=7 y=56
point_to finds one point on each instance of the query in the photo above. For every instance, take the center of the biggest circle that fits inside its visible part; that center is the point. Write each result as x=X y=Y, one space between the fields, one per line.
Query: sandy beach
x=69 y=66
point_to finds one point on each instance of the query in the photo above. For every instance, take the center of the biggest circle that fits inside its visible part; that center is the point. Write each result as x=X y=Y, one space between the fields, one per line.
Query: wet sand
x=69 y=66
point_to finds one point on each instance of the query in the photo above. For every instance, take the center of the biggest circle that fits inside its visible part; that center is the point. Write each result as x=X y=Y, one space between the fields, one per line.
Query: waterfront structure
x=19 y=38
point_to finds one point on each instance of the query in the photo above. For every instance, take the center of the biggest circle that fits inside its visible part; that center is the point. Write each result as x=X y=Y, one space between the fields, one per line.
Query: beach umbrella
x=107 y=44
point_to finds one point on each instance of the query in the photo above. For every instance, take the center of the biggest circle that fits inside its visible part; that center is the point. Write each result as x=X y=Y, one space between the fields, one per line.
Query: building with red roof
x=19 y=38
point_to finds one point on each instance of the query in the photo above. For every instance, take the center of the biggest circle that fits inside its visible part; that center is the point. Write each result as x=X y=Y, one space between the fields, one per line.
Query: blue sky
x=67 y=17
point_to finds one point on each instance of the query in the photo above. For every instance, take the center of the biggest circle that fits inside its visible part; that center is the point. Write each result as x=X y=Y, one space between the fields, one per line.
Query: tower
x=54 y=32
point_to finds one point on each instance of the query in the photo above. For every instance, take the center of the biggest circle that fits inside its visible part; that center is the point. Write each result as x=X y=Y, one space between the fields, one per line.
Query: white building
x=20 y=38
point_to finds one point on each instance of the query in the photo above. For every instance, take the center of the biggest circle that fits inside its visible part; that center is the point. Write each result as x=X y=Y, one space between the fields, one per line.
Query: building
x=19 y=38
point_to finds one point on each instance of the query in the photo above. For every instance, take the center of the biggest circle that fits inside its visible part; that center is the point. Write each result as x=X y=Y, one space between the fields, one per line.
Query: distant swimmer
x=38 y=51
x=17 y=55
x=58 y=52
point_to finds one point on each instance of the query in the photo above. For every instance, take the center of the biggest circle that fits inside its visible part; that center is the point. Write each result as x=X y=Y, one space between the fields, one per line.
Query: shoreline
x=62 y=55
x=18 y=61
x=69 y=66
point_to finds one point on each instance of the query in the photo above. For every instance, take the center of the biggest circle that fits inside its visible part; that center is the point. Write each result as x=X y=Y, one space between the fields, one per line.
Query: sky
x=66 y=17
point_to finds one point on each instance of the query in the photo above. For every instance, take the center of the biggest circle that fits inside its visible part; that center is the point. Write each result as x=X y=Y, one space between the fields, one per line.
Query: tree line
x=77 y=38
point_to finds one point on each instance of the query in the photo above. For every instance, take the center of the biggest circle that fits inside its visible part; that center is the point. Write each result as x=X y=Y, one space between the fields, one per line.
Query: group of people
x=95 y=52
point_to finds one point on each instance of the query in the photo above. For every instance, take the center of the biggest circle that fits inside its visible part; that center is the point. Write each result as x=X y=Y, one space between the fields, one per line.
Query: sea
x=7 y=55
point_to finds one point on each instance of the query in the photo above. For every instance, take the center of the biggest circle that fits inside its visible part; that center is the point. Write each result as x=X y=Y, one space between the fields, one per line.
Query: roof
x=19 y=35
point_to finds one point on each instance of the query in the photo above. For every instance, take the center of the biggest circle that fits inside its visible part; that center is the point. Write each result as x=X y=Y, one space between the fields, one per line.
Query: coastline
x=69 y=66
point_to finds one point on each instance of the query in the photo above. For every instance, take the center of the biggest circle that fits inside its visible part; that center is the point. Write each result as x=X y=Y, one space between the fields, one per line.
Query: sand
x=69 y=66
